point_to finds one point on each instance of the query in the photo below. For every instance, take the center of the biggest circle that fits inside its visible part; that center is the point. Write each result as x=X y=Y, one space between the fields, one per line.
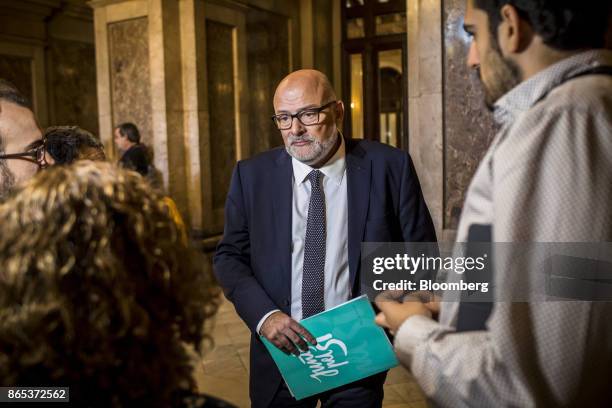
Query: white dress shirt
x=336 y=271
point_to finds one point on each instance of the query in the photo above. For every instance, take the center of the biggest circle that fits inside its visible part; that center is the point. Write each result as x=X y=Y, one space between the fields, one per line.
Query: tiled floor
x=223 y=372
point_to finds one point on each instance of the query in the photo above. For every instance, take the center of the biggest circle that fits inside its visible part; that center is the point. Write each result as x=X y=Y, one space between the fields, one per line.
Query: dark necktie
x=313 y=278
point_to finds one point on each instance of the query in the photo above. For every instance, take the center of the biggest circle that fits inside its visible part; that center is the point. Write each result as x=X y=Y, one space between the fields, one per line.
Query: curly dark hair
x=97 y=291
x=65 y=144
x=562 y=24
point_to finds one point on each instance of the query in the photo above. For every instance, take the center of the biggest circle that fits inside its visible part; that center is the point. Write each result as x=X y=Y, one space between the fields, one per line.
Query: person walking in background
x=134 y=155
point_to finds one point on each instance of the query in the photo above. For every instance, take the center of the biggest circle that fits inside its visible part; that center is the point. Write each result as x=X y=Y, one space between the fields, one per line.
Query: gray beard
x=506 y=75
x=7 y=181
x=325 y=149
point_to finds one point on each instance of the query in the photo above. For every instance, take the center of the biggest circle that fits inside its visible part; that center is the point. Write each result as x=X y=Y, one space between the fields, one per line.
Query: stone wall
x=268 y=57
x=129 y=73
x=468 y=126
x=18 y=70
x=72 y=84
x=197 y=77
x=222 y=106
x=47 y=50
x=450 y=130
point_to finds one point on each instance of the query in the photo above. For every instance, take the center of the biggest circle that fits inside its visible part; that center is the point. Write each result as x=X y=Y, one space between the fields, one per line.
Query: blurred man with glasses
x=295 y=217
x=21 y=151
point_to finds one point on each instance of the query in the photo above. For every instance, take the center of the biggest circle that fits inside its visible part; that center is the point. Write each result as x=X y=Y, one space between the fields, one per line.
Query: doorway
x=374 y=66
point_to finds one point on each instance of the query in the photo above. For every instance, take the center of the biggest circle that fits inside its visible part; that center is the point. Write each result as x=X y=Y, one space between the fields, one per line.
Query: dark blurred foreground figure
x=66 y=144
x=98 y=292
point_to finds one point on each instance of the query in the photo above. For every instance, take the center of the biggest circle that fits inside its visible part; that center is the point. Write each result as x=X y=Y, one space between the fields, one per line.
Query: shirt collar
x=334 y=168
x=523 y=96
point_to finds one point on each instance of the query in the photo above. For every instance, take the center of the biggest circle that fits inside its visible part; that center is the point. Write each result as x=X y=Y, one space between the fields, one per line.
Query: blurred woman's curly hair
x=97 y=292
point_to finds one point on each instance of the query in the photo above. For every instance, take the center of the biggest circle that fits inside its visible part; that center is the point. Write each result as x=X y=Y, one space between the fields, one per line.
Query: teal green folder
x=350 y=346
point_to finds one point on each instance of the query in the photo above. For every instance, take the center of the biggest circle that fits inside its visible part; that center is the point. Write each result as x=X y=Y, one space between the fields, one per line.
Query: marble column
x=71 y=67
x=425 y=103
x=199 y=88
x=22 y=54
x=321 y=38
x=145 y=57
x=450 y=129
x=468 y=125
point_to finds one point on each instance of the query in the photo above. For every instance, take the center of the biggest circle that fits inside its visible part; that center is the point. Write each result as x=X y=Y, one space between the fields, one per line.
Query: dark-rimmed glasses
x=307 y=117
x=35 y=154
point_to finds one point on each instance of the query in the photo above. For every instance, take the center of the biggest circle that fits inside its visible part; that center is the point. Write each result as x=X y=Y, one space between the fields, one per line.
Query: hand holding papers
x=349 y=347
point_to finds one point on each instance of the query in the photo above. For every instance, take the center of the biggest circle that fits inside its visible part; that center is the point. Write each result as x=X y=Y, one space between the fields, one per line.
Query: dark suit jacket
x=253 y=260
x=136 y=158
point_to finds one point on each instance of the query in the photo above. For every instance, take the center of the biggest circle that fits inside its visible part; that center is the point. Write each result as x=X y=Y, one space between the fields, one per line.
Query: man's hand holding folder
x=286 y=334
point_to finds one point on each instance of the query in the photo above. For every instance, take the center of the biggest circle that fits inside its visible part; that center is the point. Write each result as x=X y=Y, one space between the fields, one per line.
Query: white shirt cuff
x=263 y=319
x=413 y=332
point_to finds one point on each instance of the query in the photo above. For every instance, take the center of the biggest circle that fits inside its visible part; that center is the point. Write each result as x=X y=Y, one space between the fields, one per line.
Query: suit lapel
x=358 y=172
x=281 y=181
